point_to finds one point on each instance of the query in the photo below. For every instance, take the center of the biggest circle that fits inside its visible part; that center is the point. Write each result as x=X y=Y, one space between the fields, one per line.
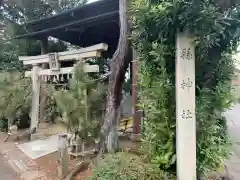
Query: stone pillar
x=185 y=108
x=35 y=97
x=44 y=45
x=44 y=50
x=63 y=156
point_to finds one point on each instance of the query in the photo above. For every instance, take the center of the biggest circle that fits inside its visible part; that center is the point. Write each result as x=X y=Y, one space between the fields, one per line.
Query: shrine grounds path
x=233 y=117
x=6 y=172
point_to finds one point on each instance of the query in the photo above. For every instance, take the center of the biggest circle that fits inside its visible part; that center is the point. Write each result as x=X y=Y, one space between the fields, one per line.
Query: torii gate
x=54 y=61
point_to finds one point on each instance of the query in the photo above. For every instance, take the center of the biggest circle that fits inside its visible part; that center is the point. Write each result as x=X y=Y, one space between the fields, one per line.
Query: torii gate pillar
x=35 y=96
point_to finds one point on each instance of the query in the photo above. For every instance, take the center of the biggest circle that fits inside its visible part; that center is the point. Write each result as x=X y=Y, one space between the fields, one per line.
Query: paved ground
x=6 y=172
x=233 y=117
x=233 y=164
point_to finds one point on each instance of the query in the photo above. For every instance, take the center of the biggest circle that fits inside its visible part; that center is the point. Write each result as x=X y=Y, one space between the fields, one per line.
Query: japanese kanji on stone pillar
x=185 y=107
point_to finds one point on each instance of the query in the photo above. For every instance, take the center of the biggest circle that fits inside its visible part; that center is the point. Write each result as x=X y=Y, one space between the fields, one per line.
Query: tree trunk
x=112 y=139
x=118 y=68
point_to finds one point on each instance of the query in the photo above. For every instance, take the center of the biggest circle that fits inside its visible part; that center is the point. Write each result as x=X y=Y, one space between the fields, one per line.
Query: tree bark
x=118 y=68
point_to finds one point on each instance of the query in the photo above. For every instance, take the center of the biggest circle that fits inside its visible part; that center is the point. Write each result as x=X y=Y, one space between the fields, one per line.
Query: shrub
x=15 y=95
x=125 y=166
x=51 y=110
x=80 y=105
x=3 y=125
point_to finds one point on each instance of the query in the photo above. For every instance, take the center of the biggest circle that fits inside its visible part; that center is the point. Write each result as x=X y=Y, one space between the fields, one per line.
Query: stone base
x=38 y=136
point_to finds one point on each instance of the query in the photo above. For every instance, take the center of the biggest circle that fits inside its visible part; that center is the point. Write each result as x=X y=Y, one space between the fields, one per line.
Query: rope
x=101 y=78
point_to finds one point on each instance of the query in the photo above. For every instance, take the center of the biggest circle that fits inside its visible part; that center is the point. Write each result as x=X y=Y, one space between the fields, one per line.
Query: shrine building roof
x=90 y=24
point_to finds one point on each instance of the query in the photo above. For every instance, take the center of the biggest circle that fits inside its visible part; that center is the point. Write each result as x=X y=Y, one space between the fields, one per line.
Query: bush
x=51 y=111
x=80 y=105
x=125 y=166
x=16 y=96
x=3 y=124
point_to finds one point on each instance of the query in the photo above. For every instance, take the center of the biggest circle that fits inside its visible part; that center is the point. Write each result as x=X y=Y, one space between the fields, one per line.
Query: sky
x=92 y=1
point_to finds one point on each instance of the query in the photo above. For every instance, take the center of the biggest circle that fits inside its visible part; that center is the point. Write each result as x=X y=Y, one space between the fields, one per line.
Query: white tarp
x=38 y=148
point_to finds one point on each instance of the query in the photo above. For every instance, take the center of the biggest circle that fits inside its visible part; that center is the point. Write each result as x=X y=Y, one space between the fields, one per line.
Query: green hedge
x=125 y=166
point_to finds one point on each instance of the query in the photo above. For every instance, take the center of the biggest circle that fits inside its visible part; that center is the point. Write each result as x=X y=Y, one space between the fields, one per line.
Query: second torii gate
x=54 y=61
